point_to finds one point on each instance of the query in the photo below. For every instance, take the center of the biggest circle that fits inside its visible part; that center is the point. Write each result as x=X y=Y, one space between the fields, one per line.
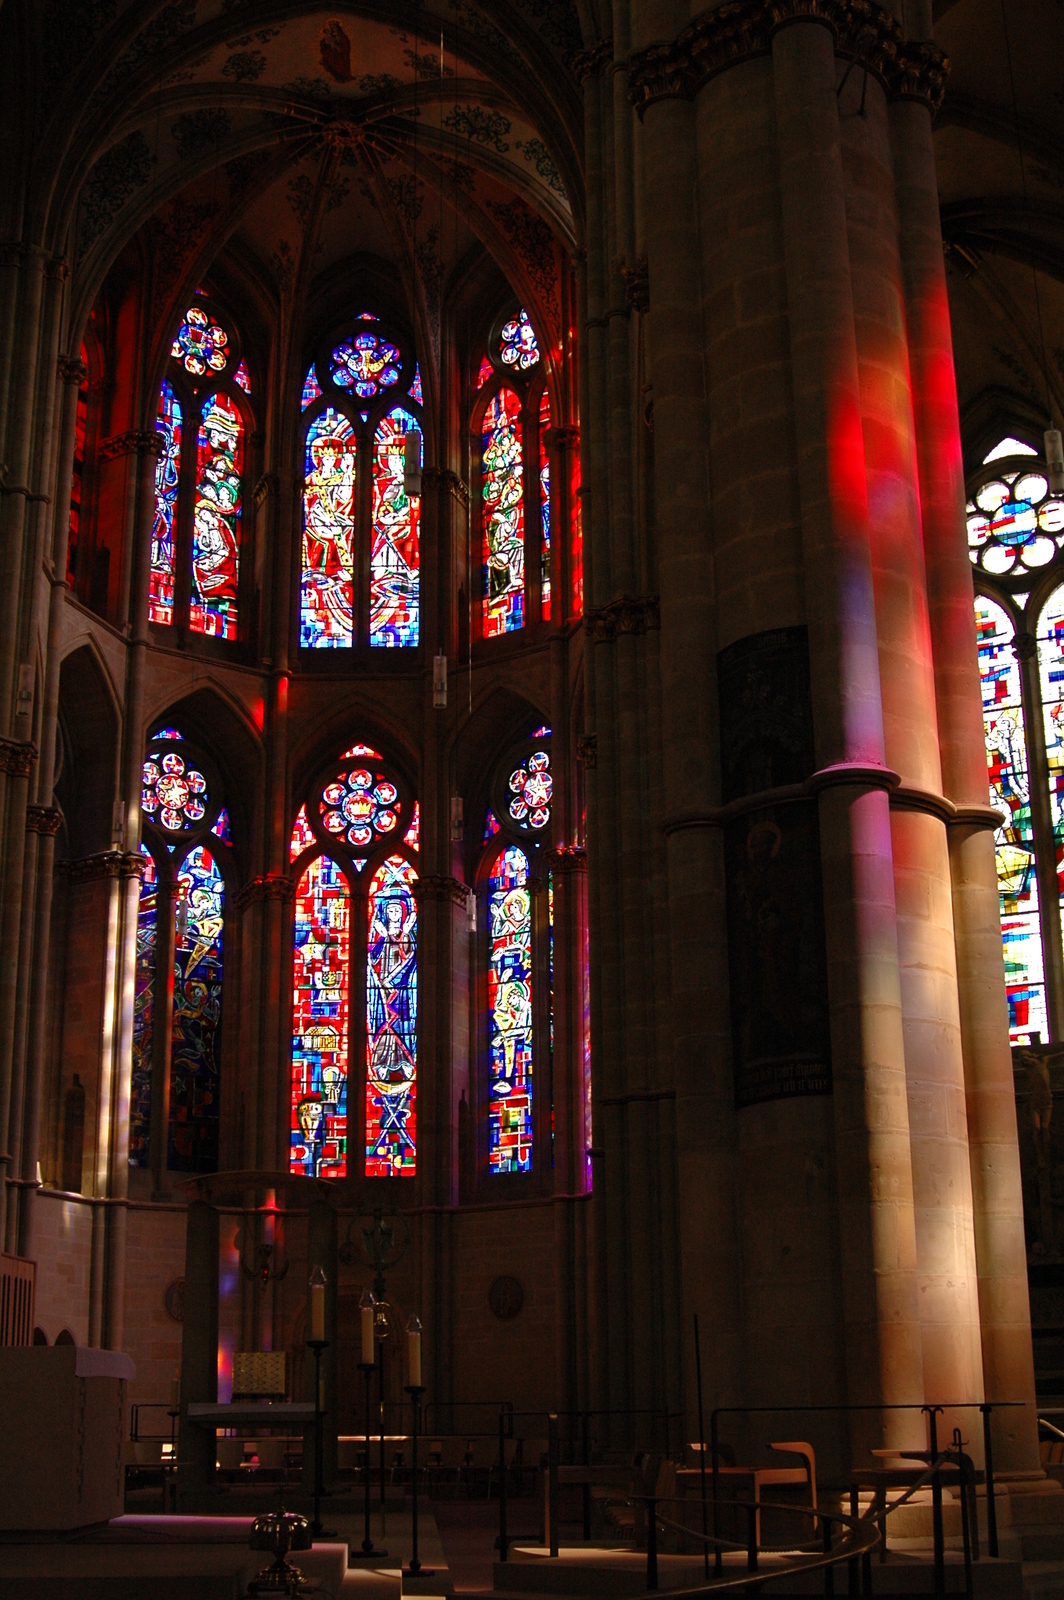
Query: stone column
x=196 y=1450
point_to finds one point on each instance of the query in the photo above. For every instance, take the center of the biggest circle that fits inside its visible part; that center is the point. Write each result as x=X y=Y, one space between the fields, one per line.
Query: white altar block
x=62 y=1410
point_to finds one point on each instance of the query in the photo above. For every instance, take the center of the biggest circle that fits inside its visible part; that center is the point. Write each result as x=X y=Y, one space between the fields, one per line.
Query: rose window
x=173 y=794
x=201 y=345
x=359 y=806
x=531 y=786
x=518 y=343
x=1015 y=526
x=366 y=363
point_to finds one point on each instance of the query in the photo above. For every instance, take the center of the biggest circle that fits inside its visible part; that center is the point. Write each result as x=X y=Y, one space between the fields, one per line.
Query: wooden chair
x=777 y=1477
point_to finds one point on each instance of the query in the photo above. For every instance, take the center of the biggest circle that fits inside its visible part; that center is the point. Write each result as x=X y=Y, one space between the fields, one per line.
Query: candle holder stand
x=367 y=1369
x=319 y=1532
x=415 y=1569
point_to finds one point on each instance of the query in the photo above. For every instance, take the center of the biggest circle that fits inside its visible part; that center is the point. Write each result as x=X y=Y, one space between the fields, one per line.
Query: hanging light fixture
x=439 y=680
x=1054 y=460
x=412 y=464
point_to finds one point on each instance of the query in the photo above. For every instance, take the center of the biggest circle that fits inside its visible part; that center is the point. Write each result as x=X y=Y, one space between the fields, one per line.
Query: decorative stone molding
x=17 y=757
x=138 y=441
x=637 y=285
x=108 y=864
x=70 y=369
x=43 y=819
x=568 y=858
x=270 y=886
x=588 y=62
x=444 y=478
x=21 y=488
x=587 y=749
x=437 y=886
x=626 y=615
x=740 y=30
x=563 y=438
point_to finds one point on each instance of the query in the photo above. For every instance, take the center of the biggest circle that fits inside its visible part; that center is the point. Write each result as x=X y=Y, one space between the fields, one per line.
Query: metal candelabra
x=318 y=1345
x=367 y=1369
x=415 y=1569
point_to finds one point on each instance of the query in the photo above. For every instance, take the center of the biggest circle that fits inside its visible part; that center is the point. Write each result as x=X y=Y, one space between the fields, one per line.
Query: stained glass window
x=77 y=475
x=518 y=346
x=360 y=806
x=394 y=557
x=240 y=377
x=415 y=387
x=576 y=539
x=167 y=478
x=173 y=793
x=486 y=372
x=510 y=1013
x=361 y=750
x=365 y=364
x=1015 y=526
x=412 y=836
x=503 y=515
x=391 y=1022
x=311 y=388
x=327 y=606
x=302 y=838
x=143 y=1016
x=1010 y=793
x=1051 y=676
x=168 y=733
x=216 y=531
x=491 y=825
x=194 y=1058
x=221 y=826
x=544 y=503
x=531 y=787
x=201 y=344
x=320 y=1021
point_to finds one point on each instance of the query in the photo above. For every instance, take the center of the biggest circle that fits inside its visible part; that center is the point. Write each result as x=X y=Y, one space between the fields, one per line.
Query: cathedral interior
x=532 y=718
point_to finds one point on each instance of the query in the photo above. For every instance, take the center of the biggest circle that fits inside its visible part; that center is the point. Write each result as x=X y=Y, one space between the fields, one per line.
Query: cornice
x=588 y=62
x=740 y=30
x=43 y=819
x=444 y=478
x=17 y=757
x=270 y=886
x=626 y=615
x=109 y=864
x=137 y=441
x=437 y=886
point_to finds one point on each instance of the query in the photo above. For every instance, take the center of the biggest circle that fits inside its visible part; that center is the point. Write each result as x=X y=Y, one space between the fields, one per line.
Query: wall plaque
x=506 y=1297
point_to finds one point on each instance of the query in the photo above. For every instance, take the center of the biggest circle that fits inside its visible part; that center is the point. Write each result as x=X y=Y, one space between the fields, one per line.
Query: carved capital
x=444 y=478
x=70 y=369
x=563 y=438
x=43 y=819
x=58 y=268
x=270 y=886
x=1025 y=647
x=108 y=864
x=138 y=441
x=266 y=486
x=637 y=285
x=588 y=62
x=625 y=615
x=435 y=886
x=587 y=749
x=568 y=858
x=17 y=757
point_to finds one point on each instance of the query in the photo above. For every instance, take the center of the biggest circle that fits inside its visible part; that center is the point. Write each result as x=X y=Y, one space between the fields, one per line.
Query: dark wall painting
x=766 y=714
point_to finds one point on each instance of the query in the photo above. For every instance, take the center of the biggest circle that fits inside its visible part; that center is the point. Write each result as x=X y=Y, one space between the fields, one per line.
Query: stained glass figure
x=365 y=364
x=167 y=478
x=415 y=387
x=517 y=345
x=1051 y=675
x=221 y=827
x=1006 y=750
x=544 y=503
x=143 y=1016
x=412 y=836
x=327 y=600
x=1015 y=526
x=241 y=379
x=510 y=1012
x=320 y=1006
x=503 y=515
x=361 y=750
x=201 y=345
x=311 y=388
x=195 y=1053
x=486 y=371
x=302 y=838
x=491 y=825
x=391 y=1022
x=394 y=559
x=531 y=787
x=173 y=793
x=576 y=537
x=216 y=531
x=360 y=806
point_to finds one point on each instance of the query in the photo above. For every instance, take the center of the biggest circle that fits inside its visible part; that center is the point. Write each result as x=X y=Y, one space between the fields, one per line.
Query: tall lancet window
x=517 y=953
x=188 y=849
x=511 y=428
x=204 y=416
x=353 y=855
x=360 y=562
x=1016 y=544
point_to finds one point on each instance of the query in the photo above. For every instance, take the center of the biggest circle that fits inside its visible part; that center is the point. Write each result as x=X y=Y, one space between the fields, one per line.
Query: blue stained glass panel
x=195 y=1052
x=391 y=1022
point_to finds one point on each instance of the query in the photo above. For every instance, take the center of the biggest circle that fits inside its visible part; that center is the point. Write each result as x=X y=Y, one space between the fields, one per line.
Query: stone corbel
x=266 y=486
x=70 y=369
x=624 y=615
x=444 y=478
x=587 y=750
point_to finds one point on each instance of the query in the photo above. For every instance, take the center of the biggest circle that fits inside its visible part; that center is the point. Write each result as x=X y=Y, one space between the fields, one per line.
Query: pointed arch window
x=353 y=852
x=177 y=1032
x=360 y=563
x=204 y=417
x=1016 y=545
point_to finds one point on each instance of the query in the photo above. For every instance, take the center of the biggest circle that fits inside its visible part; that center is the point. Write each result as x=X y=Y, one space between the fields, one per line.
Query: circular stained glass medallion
x=1015 y=525
x=365 y=364
x=517 y=344
x=360 y=806
x=531 y=786
x=201 y=345
x=173 y=793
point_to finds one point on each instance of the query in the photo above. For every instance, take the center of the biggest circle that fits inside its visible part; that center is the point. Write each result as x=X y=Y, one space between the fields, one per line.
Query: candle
x=367 y=1307
x=317 y=1306
x=413 y=1352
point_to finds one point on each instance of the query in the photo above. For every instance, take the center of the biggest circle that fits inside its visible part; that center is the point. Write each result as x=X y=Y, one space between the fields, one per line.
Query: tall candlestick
x=367 y=1307
x=317 y=1304
x=413 y=1351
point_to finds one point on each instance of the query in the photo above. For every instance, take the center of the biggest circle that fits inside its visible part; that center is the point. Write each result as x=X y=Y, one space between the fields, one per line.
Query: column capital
x=627 y=614
x=137 y=441
x=437 y=886
x=43 y=819
x=108 y=864
x=587 y=749
x=71 y=369
x=567 y=858
x=590 y=61
x=563 y=438
x=444 y=478
x=266 y=486
x=17 y=757
x=270 y=886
